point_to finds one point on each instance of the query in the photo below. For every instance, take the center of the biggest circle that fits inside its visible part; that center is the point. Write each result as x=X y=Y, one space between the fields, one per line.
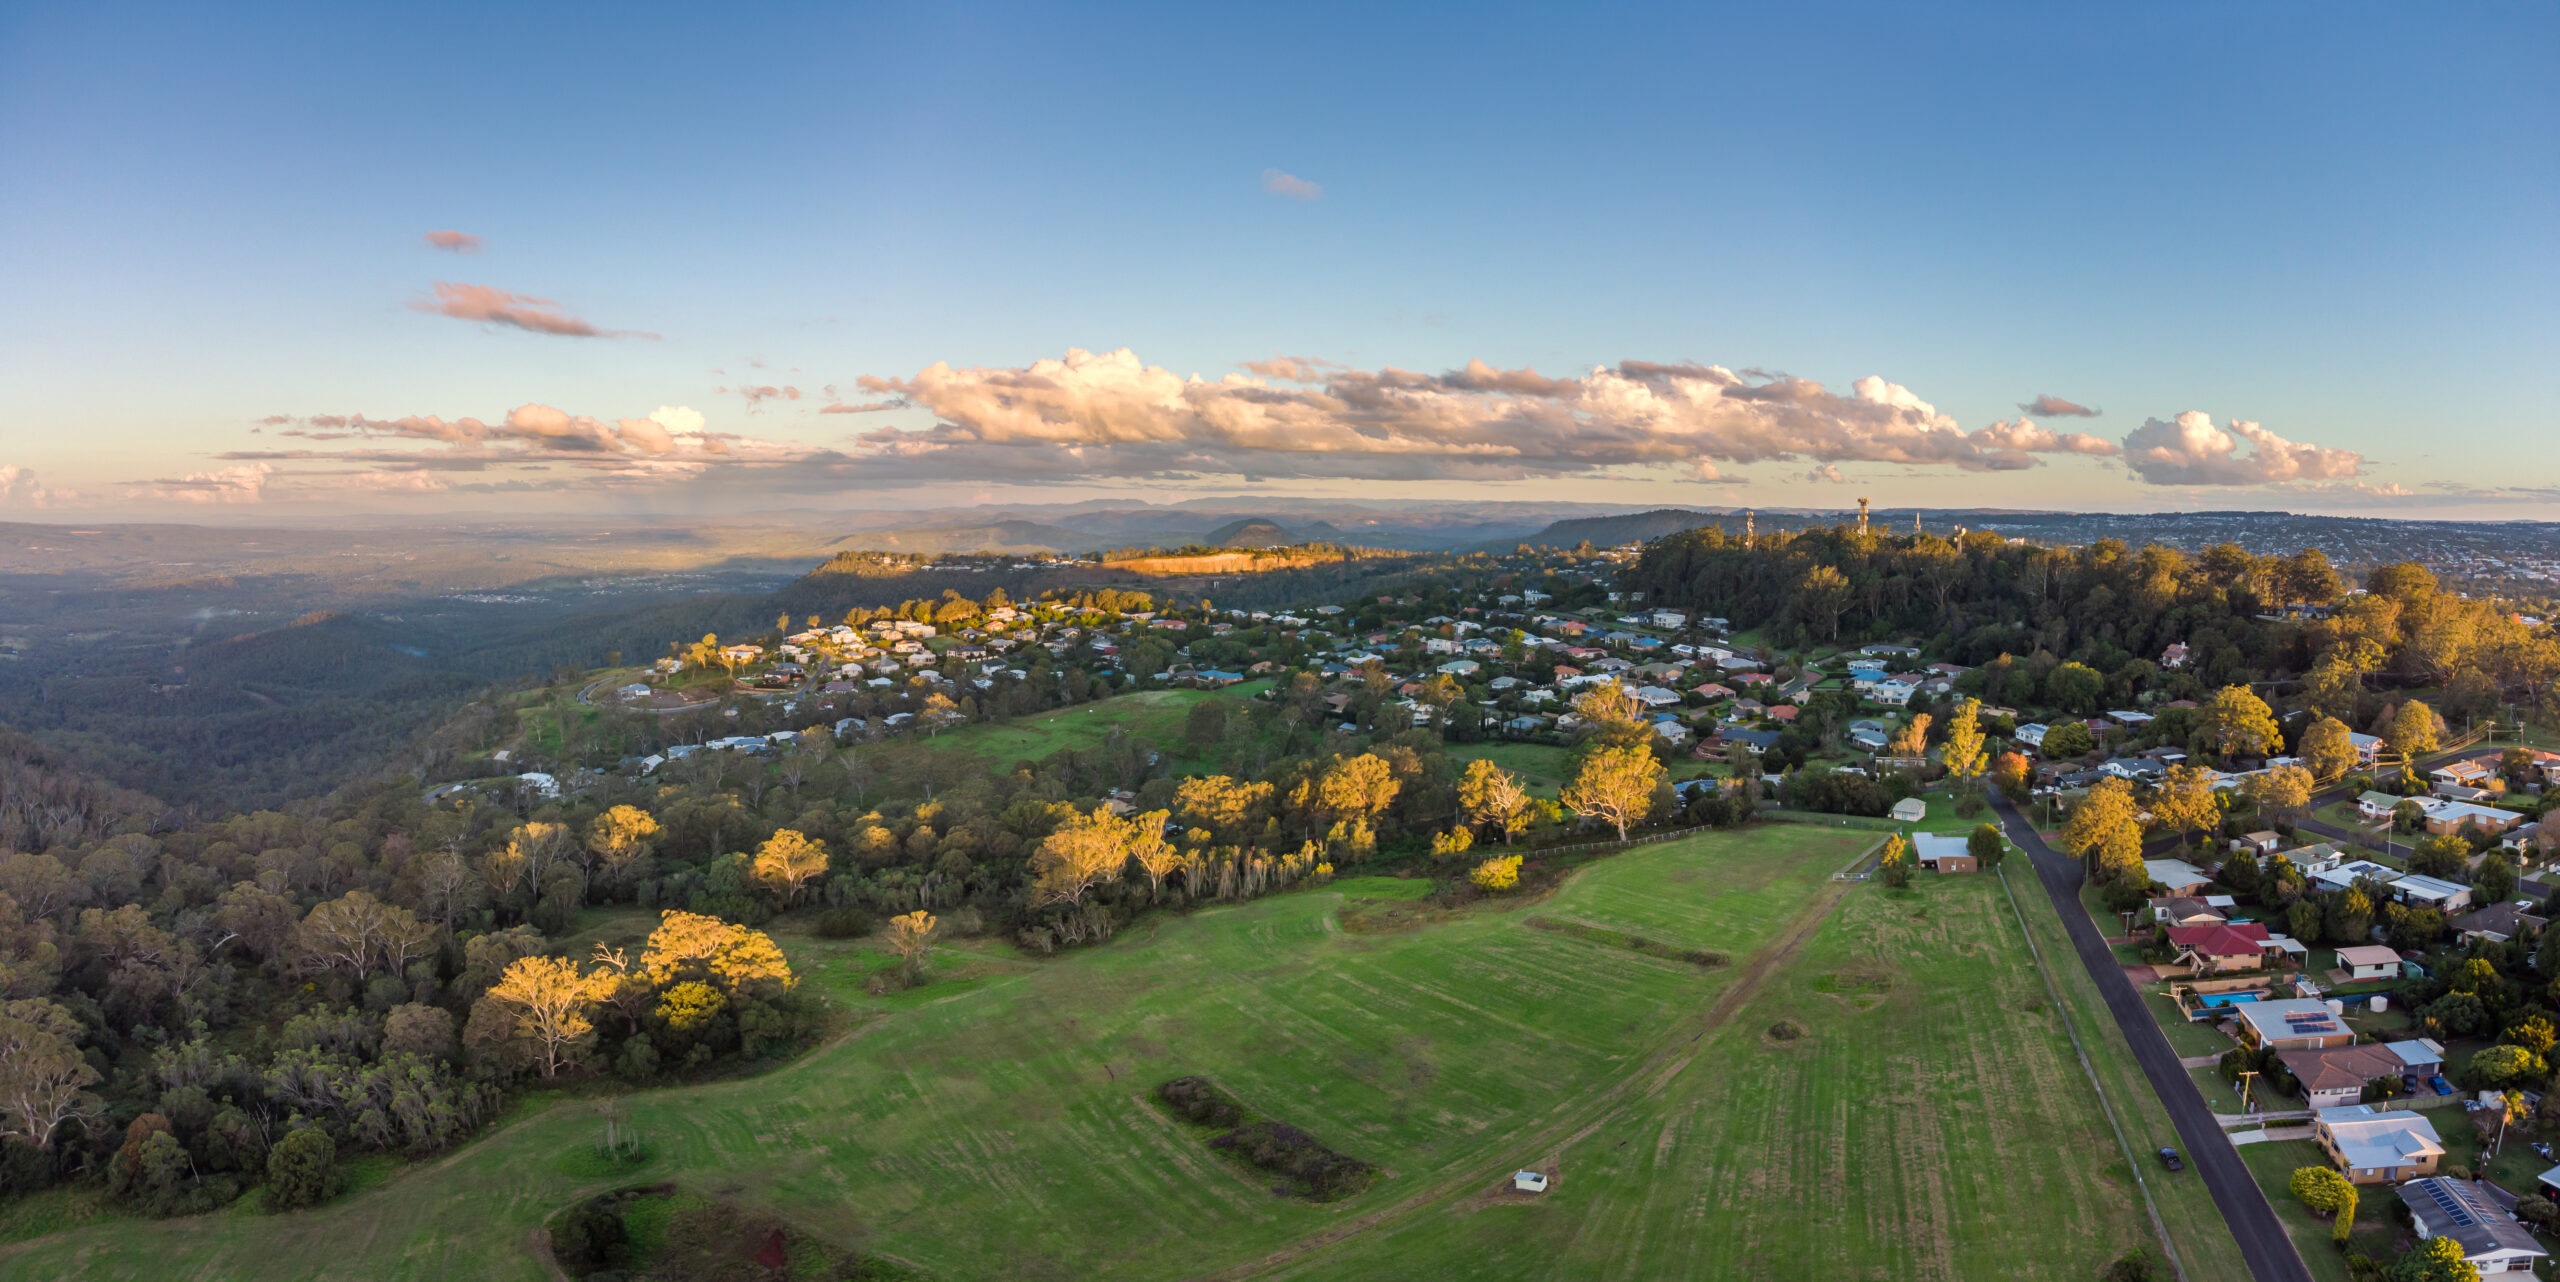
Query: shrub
x=843 y=923
x=1199 y=1099
x=1319 y=1173
x=1497 y=874
x=1785 y=1030
x=302 y=1170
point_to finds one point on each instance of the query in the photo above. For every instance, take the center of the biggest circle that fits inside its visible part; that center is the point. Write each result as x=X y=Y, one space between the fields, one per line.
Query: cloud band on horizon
x=1108 y=414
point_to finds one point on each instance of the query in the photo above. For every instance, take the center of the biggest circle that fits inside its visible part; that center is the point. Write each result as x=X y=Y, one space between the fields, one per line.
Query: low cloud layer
x=1110 y=415
x=2192 y=451
x=452 y=242
x=243 y=484
x=396 y=455
x=19 y=489
x=1290 y=185
x=2056 y=407
x=492 y=306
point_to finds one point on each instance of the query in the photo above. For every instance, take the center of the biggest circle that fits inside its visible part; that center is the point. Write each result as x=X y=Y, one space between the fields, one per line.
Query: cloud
x=246 y=484
x=757 y=396
x=397 y=482
x=867 y=407
x=2056 y=407
x=1290 y=185
x=494 y=306
x=2192 y=451
x=670 y=444
x=2020 y=434
x=18 y=488
x=452 y=242
x=1107 y=414
x=1827 y=473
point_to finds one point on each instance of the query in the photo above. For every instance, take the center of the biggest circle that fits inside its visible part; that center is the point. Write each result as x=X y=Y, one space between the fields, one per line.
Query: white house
x=2377 y=806
x=2031 y=734
x=1910 y=810
x=2430 y=892
x=2181 y=877
x=2368 y=961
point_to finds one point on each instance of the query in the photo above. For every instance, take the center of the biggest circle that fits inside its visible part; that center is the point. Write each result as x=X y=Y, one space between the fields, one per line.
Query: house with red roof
x=2215 y=948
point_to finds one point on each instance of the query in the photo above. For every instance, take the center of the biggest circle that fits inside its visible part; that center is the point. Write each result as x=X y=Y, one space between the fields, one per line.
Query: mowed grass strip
x=1933 y=1125
x=2206 y=1249
x=996 y=1126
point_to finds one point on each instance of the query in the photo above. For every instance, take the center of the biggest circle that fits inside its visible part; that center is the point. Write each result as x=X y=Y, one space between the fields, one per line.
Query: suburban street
x=2263 y=1243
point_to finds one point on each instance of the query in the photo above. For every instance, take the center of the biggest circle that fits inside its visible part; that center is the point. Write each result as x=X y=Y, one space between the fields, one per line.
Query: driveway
x=2262 y=1239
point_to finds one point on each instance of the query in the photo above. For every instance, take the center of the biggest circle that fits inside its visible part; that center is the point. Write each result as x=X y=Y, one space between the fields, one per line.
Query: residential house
x=2466 y=774
x=1757 y=741
x=2259 y=843
x=2215 y=949
x=2348 y=874
x=2336 y=1077
x=1944 y=852
x=2369 y=961
x=2032 y=734
x=2292 y=1023
x=2368 y=746
x=2449 y=816
x=2175 y=656
x=2420 y=1059
x=2177 y=875
x=2377 y=1146
x=2377 y=806
x=2491 y=1239
x=2497 y=923
x=2179 y=910
x=1909 y=810
x=2430 y=892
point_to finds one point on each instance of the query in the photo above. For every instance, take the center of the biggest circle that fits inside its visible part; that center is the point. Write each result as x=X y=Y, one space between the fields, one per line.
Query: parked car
x=2442 y=1086
x=2169 y=1158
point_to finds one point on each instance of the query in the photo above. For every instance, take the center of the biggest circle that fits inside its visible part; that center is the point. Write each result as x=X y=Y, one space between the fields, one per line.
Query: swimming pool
x=2230 y=999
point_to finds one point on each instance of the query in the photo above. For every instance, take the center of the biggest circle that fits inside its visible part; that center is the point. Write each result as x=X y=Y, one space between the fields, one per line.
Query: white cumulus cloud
x=2192 y=451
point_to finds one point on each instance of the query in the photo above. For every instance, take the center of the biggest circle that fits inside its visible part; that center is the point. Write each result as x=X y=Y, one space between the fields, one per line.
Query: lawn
x=993 y=1124
x=1544 y=765
x=2202 y=1237
x=1154 y=717
x=1931 y=1121
x=2186 y=1037
x=2274 y=1162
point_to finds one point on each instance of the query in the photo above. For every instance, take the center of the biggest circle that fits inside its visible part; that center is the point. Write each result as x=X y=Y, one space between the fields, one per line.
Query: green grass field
x=1543 y=766
x=1153 y=717
x=1929 y=1124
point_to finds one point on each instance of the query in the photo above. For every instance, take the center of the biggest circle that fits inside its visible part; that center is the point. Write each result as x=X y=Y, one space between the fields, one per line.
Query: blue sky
x=2336 y=221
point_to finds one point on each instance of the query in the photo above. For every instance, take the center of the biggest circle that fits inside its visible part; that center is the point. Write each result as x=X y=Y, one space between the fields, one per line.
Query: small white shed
x=1528 y=1181
x=1910 y=810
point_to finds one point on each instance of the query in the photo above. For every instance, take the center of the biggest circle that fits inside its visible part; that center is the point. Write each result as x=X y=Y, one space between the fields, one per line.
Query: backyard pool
x=2230 y=999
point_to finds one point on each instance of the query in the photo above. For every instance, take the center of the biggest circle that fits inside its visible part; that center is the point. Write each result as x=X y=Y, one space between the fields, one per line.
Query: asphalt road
x=2263 y=1243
